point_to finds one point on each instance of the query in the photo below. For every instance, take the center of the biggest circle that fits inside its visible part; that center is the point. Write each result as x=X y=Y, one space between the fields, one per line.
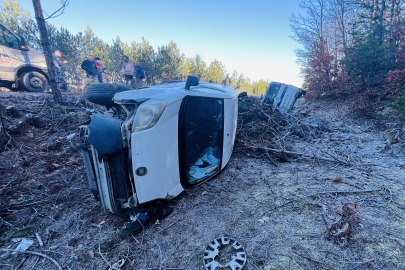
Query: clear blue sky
x=251 y=37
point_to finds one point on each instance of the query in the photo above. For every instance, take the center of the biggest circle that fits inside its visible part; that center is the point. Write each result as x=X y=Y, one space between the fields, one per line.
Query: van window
x=10 y=40
x=2 y=40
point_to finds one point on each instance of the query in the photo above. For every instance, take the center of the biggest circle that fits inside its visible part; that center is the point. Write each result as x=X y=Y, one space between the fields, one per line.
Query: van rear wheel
x=34 y=81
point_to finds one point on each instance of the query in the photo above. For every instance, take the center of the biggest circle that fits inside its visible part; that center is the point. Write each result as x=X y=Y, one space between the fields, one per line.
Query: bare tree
x=339 y=13
x=309 y=30
x=46 y=47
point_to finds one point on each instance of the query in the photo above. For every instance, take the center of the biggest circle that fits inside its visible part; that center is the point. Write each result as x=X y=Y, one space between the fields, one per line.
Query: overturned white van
x=282 y=95
x=157 y=142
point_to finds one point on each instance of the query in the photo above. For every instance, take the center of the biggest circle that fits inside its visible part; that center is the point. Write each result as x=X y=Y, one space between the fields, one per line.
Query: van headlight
x=148 y=114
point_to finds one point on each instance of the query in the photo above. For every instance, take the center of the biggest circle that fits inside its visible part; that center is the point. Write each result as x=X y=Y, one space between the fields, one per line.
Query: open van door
x=201 y=129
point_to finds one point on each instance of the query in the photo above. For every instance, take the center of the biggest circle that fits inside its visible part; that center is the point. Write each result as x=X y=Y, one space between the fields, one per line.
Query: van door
x=6 y=64
x=201 y=130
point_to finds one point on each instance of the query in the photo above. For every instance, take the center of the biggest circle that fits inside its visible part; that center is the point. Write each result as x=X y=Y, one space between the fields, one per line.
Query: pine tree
x=368 y=61
x=216 y=72
x=397 y=102
x=20 y=22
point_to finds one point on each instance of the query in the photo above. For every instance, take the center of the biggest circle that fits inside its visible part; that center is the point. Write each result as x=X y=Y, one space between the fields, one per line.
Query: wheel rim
x=36 y=82
x=212 y=253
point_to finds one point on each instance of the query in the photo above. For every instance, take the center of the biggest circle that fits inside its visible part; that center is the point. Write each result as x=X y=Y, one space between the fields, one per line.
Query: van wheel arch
x=33 y=81
x=25 y=69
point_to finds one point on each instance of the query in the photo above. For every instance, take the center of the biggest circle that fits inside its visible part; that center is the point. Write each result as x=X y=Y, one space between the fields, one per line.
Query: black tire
x=103 y=93
x=34 y=81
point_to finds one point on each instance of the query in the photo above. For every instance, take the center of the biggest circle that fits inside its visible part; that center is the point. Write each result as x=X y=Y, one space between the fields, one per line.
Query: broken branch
x=41 y=243
x=309 y=156
x=102 y=256
x=34 y=253
x=329 y=192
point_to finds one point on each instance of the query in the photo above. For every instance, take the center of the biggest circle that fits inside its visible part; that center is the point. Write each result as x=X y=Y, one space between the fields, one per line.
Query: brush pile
x=270 y=132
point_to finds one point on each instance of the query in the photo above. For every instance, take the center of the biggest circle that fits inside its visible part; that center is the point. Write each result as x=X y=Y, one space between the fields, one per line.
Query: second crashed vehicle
x=158 y=142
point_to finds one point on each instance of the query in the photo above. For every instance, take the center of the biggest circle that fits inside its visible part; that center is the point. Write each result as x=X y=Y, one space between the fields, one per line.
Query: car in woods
x=22 y=66
x=155 y=142
x=282 y=95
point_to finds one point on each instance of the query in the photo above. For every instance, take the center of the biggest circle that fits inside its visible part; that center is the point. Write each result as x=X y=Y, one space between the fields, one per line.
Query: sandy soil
x=263 y=204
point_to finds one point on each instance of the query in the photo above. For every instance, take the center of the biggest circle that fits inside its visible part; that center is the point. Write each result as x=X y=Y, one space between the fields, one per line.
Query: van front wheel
x=34 y=82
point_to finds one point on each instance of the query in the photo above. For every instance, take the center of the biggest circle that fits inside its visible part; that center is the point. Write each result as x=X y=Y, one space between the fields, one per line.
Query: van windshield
x=2 y=39
x=8 y=39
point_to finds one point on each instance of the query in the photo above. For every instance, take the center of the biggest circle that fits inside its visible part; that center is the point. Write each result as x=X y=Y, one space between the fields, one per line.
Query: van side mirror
x=192 y=81
x=23 y=45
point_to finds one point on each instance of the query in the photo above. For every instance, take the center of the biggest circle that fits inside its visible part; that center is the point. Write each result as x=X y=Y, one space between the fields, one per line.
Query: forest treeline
x=354 y=49
x=349 y=49
x=160 y=65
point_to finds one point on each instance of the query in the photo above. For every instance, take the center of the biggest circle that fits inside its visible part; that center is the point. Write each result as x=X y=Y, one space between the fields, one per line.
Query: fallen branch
x=24 y=205
x=21 y=263
x=328 y=192
x=35 y=263
x=169 y=225
x=307 y=257
x=368 y=261
x=309 y=156
x=34 y=253
x=253 y=265
x=344 y=262
x=41 y=243
x=102 y=256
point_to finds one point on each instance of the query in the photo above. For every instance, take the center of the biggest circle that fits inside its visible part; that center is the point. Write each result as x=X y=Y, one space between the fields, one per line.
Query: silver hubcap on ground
x=36 y=82
x=212 y=254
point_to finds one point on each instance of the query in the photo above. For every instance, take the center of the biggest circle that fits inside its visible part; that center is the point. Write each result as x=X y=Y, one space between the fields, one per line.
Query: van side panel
x=6 y=69
x=289 y=98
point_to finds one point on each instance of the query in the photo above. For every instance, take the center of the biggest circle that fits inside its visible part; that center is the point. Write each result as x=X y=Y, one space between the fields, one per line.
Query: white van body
x=17 y=60
x=190 y=143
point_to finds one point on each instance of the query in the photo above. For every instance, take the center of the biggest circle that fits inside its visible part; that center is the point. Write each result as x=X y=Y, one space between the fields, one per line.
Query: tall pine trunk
x=46 y=47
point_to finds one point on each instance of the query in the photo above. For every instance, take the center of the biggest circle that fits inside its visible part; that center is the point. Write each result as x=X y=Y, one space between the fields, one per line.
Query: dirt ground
x=289 y=212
